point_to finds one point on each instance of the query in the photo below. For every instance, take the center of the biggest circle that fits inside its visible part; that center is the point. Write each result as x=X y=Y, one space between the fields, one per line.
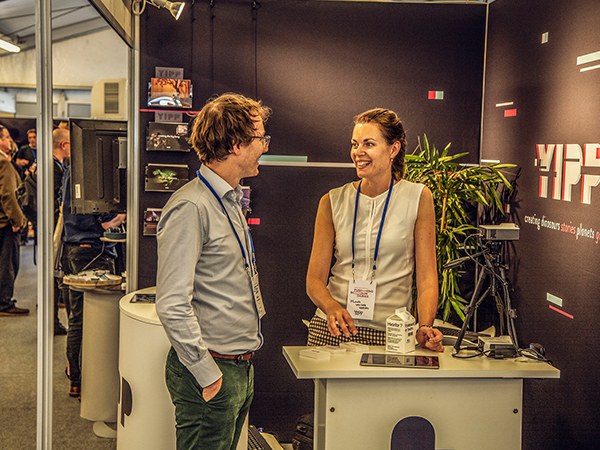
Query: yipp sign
x=563 y=166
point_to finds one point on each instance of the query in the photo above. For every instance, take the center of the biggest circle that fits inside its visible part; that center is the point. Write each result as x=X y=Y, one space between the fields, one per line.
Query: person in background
x=12 y=221
x=82 y=250
x=207 y=292
x=27 y=154
x=14 y=148
x=61 y=152
x=24 y=162
x=381 y=230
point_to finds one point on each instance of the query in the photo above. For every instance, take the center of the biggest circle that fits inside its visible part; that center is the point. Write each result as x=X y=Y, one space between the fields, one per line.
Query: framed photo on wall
x=170 y=92
x=166 y=177
x=167 y=137
x=151 y=218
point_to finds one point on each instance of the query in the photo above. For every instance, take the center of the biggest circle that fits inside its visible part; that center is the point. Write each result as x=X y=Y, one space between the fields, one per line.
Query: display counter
x=471 y=403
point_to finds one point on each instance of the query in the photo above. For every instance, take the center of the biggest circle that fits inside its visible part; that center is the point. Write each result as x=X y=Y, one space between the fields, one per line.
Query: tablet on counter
x=408 y=361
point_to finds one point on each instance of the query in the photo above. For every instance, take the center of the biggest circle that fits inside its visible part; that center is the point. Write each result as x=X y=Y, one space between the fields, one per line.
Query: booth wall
x=556 y=259
x=316 y=64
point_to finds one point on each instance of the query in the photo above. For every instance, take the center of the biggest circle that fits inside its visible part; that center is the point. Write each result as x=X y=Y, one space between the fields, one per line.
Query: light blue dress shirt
x=203 y=291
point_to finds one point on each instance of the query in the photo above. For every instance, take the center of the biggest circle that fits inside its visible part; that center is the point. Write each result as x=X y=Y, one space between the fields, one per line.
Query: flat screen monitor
x=98 y=166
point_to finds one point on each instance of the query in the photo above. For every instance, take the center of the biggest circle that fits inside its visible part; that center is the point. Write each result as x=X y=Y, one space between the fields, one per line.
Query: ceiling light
x=175 y=8
x=9 y=46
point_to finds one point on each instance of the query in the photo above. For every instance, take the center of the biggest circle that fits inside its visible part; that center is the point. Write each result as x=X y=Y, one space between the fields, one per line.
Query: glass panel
x=85 y=51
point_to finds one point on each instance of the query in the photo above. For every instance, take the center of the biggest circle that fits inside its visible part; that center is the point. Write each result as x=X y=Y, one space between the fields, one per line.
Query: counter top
x=347 y=365
x=145 y=312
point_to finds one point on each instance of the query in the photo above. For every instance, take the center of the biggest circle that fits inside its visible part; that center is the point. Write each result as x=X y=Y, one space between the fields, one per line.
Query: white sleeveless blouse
x=395 y=262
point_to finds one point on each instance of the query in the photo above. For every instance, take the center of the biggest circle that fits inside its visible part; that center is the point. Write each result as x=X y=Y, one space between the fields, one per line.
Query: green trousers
x=216 y=424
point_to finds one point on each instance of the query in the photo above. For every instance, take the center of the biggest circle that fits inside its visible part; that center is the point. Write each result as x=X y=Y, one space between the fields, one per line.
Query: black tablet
x=409 y=361
x=143 y=298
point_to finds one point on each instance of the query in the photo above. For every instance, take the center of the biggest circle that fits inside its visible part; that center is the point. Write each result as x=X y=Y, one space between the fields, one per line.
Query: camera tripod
x=492 y=268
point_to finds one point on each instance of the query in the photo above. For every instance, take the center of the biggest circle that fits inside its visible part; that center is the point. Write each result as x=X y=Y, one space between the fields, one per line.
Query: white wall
x=77 y=63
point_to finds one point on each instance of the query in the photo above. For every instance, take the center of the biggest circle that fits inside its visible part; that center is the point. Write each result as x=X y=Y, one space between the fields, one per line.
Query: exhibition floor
x=18 y=398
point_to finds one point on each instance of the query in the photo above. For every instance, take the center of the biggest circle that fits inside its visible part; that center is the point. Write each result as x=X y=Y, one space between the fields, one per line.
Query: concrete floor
x=18 y=357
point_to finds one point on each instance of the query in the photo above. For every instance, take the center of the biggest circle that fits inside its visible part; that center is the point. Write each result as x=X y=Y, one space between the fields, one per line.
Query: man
x=82 y=250
x=208 y=297
x=12 y=220
x=27 y=154
x=61 y=152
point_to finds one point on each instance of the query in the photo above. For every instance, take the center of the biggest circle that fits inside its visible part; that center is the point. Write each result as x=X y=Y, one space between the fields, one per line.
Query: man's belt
x=242 y=357
x=78 y=245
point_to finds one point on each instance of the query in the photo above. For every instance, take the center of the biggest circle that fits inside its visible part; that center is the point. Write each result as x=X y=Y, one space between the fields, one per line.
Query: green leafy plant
x=456 y=188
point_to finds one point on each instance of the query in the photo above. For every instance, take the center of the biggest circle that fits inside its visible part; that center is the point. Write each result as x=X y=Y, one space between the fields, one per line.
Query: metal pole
x=45 y=226
x=133 y=162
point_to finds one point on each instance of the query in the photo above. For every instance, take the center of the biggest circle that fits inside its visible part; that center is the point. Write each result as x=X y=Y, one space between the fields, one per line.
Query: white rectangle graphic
x=554 y=299
x=590 y=57
x=585 y=69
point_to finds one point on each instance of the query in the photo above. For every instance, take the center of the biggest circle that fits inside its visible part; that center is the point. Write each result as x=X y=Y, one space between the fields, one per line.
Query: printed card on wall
x=167 y=137
x=166 y=177
x=170 y=92
x=246 y=208
x=151 y=218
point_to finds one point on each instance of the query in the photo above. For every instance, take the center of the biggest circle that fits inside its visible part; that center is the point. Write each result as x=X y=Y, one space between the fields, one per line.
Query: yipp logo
x=568 y=165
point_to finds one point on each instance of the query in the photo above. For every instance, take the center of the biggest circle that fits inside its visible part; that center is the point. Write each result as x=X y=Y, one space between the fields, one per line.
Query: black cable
x=533 y=354
x=192 y=22
x=212 y=47
x=474 y=355
x=255 y=7
x=529 y=353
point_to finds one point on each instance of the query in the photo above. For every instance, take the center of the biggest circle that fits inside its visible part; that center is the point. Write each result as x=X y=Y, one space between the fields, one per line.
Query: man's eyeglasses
x=265 y=140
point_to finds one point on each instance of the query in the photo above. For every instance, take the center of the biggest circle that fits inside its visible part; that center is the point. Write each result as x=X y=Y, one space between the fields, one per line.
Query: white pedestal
x=146 y=415
x=100 y=358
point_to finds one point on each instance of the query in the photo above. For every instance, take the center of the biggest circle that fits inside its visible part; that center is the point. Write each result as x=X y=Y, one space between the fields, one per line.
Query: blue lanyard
x=208 y=185
x=385 y=209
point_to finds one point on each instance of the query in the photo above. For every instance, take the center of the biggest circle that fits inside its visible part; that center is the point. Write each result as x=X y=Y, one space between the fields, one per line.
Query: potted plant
x=456 y=188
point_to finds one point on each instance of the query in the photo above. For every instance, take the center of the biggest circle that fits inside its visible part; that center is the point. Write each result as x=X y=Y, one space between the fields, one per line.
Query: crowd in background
x=80 y=247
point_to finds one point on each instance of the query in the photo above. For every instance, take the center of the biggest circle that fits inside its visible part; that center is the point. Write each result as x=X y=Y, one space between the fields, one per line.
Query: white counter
x=472 y=403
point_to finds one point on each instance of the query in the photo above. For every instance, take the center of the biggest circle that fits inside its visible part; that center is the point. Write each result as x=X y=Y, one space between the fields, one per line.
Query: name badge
x=361 y=299
x=260 y=306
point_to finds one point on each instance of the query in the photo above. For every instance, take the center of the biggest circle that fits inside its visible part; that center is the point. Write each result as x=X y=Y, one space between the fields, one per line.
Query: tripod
x=491 y=268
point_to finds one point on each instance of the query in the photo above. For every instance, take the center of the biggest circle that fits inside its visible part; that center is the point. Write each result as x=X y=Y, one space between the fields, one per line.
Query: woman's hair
x=224 y=122
x=392 y=130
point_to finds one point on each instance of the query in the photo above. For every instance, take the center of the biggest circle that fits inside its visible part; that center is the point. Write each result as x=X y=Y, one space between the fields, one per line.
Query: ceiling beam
x=64 y=33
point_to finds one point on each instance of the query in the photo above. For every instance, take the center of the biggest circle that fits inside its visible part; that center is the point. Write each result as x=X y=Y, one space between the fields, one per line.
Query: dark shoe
x=14 y=311
x=75 y=392
x=60 y=330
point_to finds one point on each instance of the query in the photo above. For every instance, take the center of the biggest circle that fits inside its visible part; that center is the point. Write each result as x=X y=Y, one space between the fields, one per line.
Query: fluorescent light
x=9 y=47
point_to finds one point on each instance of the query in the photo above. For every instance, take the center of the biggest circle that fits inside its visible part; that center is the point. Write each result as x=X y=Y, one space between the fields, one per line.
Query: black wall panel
x=284 y=242
x=320 y=63
x=317 y=64
x=556 y=103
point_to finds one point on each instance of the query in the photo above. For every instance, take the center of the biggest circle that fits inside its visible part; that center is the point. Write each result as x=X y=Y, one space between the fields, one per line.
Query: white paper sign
x=361 y=299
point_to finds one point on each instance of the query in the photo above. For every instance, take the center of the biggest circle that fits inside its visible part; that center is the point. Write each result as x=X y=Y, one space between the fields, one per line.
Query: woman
x=381 y=229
